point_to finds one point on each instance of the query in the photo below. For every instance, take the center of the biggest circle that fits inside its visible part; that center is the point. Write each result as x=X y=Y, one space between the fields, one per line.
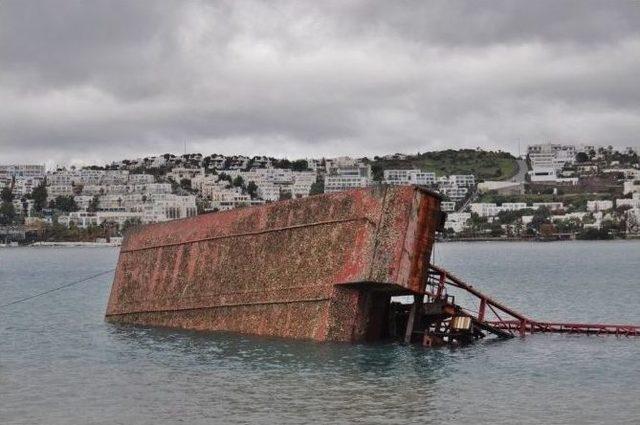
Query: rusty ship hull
x=320 y=268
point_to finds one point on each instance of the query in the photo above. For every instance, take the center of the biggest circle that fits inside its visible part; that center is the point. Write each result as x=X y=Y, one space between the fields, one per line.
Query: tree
x=224 y=176
x=299 y=165
x=94 y=204
x=6 y=195
x=238 y=181
x=7 y=213
x=185 y=184
x=540 y=217
x=252 y=189
x=594 y=234
x=582 y=157
x=285 y=195
x=39 y=196
x=377 y=172
x=130 y=223
x=65 y=203
x=317 y=187
x=282 y=163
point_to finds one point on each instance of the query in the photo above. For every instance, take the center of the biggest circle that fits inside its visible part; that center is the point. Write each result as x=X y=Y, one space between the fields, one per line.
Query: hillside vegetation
x=485 y=165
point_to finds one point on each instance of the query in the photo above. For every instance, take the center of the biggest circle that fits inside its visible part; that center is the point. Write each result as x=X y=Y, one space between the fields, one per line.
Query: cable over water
x=49 y=291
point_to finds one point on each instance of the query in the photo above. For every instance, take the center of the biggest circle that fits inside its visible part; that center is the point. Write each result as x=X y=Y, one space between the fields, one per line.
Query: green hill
x=485 y=165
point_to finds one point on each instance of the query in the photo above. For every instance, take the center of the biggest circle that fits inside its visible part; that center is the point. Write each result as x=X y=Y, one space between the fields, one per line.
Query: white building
x=594 y=206
x=447 y=206
x=485 y=209
x=457 y=222
x=513 y=206
x=631 y=187
x=54 y=191
x=272 y=182
x=24 y=185
x=552 y=206
x=551 y=155
x=81 y=219
x=347 y=177
x=137 y=179
x=634 y=202
x=223 y=198
x=23 y=207
x=543 y=174
x=463 y=180
x=402 y=177
x=179 y=173
x=454 y=192
x=117 y=217
x=163 y=207
x=19 y=171
x=548 y=159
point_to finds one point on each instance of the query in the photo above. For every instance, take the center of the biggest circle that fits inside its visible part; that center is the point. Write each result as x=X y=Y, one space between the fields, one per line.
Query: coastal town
x=554 y=192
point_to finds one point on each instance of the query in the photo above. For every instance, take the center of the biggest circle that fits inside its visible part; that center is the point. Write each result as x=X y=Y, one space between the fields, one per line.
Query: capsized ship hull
x=321 y=268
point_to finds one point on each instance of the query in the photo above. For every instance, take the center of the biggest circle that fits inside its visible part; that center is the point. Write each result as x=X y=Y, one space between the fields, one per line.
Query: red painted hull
x=320 y=268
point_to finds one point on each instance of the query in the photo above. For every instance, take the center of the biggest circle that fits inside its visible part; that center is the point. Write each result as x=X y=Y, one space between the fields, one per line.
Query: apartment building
x=402 y=177
x=457 y=222
x=552 y=206
x=345 y=176
x=447 y=206
x=20 y=171
x=604 y=205
x=163 y=207
x=634 y=202
x=180 y=173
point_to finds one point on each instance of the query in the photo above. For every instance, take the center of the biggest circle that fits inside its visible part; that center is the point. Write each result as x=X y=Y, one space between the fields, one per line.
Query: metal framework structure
x=506 y=322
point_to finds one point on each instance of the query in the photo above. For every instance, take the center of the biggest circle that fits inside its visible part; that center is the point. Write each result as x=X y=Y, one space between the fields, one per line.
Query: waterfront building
x=81 y=219
x=457 y=222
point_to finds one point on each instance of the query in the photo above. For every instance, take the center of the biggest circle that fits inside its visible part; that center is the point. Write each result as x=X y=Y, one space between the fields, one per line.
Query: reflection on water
x=60 y=363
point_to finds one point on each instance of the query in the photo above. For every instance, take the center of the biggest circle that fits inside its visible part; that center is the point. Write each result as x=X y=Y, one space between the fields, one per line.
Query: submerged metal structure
x=322 y=268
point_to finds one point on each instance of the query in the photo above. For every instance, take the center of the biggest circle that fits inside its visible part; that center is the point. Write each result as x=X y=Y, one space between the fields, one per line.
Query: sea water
x=60 y=363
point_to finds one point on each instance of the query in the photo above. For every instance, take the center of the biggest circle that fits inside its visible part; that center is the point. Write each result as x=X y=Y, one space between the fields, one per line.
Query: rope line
x=66 y=285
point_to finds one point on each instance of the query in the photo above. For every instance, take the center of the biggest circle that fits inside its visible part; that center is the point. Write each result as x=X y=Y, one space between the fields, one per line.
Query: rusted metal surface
x=317 y=268
x=505 y=319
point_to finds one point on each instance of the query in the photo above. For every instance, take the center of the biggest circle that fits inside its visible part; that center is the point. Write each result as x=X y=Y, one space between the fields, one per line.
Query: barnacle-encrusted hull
x=320 y=268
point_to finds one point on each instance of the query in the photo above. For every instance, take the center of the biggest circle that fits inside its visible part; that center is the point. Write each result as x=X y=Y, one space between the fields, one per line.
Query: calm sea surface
x=60 y=363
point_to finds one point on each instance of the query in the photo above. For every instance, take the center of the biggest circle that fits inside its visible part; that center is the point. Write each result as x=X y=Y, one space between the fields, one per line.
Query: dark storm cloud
x=100 y=80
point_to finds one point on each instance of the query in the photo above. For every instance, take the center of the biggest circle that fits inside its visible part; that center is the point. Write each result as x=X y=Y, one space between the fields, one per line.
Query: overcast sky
x=91 y=81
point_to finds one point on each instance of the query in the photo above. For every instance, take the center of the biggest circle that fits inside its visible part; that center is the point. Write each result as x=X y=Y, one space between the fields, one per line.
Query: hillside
x=485 y=165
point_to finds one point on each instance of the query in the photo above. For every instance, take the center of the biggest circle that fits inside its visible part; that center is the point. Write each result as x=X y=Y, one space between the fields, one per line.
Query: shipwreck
x=323 y=268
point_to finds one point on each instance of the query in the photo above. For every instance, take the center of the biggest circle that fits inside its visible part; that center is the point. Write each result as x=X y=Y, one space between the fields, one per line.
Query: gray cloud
x=100 y=80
